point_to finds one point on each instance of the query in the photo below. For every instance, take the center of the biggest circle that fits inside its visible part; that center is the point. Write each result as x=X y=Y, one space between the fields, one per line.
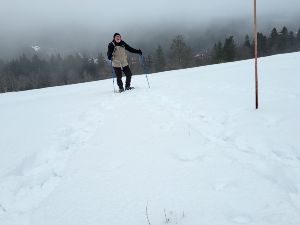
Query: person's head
x=117 y=37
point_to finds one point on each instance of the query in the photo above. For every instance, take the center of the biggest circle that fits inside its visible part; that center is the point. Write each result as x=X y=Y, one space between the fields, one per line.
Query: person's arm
x=110 y=50
x=132 y=50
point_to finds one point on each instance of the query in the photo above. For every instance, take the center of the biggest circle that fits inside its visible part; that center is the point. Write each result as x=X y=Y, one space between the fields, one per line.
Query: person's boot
x=129 y=88
x=121 y=89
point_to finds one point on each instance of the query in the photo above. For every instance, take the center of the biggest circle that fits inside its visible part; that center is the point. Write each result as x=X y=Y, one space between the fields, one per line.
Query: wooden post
x=255 y=55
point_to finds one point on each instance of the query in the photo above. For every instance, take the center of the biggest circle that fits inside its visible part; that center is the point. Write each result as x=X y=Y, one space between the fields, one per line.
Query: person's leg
x=118 y=72
x=128 y=75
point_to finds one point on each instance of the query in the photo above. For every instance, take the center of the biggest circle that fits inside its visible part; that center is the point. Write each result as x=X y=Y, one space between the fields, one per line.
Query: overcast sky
x=35 y=13
x=35 y=18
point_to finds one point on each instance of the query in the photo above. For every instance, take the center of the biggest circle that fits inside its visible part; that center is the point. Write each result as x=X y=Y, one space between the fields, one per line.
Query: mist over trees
x=35 y=71
x=27 y=73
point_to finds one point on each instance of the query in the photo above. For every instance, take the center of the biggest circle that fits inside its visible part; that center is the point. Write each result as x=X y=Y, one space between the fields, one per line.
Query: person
x=117 y=54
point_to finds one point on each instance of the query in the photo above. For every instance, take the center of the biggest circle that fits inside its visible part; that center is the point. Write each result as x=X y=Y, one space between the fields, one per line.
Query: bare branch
x=147 y=214
x=167 y=219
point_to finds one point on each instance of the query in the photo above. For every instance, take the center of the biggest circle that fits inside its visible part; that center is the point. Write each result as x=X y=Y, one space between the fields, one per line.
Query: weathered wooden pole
x=255 y=56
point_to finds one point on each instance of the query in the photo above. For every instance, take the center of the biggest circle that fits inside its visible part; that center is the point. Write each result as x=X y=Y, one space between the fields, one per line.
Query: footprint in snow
x=111 y=166
x=241 y=220
x=188 y=158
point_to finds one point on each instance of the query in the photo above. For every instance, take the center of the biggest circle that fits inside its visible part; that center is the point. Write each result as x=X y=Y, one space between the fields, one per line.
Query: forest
x=32 y=72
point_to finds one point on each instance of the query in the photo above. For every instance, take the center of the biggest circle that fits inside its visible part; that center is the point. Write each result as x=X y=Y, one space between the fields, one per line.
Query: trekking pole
x=142 y=62
x=113 y=75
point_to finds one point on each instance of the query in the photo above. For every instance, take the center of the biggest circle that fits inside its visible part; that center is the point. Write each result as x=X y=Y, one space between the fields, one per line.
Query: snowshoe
x=129 y=88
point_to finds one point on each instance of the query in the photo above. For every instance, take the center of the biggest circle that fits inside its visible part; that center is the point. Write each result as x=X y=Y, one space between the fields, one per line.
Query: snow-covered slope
x=192 y=150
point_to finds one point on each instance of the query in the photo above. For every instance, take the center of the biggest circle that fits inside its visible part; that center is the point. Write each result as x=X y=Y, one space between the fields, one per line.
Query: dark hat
x=116 y=34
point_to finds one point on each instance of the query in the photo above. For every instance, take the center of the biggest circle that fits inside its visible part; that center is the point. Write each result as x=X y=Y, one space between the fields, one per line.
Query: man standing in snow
x=117 y=54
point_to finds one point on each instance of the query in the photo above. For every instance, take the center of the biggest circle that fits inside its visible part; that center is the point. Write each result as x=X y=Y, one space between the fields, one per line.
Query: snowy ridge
x=191 y=149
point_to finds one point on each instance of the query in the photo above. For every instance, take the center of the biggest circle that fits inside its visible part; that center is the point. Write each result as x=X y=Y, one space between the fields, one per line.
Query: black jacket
x=111 y=47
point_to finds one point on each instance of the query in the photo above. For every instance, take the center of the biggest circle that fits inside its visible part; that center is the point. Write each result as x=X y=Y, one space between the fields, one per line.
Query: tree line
x=180 y=55
x=26 y=72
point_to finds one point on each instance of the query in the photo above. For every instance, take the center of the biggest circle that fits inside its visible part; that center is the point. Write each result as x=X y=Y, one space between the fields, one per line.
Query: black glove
x=139 y=52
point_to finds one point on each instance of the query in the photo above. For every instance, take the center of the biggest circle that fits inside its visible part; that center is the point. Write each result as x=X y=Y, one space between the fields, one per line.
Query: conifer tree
x=274 y=41
x=218 y=53
x=291 y=42
x=149 y=64
x=246 y=50
x=181 y=53
x=262 y=47
x=229 y=49
x=159 y=60
x=298 y=40
x=247 y=41
x=283 y=40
